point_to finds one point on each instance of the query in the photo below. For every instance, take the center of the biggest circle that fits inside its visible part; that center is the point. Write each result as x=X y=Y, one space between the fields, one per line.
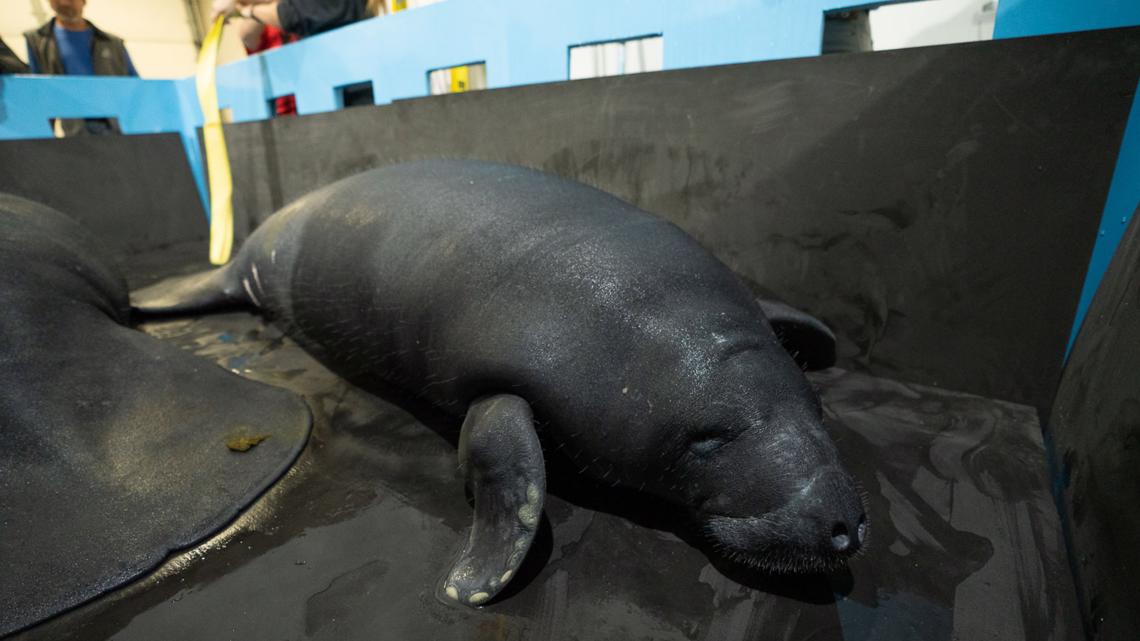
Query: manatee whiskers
x=760 y=543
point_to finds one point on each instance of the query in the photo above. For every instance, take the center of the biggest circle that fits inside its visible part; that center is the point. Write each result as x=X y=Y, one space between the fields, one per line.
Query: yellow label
x=459 y=82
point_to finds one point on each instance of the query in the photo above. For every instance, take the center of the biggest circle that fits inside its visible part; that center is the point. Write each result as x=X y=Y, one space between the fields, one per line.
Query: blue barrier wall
x=1017 y=18
x=523 y=42
x=28 y=103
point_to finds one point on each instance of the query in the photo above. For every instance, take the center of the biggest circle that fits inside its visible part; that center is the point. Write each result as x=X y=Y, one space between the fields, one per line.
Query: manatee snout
x=833 y=514
x=817 y=528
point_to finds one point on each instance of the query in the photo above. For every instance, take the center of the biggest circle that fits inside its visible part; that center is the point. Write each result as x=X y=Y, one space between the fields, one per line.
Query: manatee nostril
x=861 y=530
x=840 y=541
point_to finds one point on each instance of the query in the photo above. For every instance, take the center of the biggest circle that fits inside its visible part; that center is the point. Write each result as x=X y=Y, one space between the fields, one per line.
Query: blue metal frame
x=524 y=42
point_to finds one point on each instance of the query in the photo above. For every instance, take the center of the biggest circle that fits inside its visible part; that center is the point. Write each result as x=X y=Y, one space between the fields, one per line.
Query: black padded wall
x=937 y=206
x=1095 y=428
x=135 y=192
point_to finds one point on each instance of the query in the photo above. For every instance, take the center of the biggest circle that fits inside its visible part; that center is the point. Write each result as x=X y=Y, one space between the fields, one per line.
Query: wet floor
x=352 y=543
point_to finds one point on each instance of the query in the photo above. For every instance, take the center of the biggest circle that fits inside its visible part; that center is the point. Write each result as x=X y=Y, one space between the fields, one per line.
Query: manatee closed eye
x=502 y=294
x=755 y=467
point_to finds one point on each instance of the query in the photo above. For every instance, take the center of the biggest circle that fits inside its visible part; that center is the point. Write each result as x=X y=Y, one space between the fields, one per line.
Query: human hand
x=222 y=8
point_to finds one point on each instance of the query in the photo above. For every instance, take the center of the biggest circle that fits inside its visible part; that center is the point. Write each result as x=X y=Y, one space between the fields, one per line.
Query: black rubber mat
x=965 y=542
x=1096 y=432
x=133 y=193
x=114 y=446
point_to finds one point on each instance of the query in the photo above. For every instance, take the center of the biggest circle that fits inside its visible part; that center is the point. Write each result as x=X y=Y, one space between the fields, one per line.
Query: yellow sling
x=217 y=161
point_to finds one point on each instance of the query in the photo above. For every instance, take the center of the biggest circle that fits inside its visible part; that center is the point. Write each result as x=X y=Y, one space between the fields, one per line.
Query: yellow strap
x=217 y=161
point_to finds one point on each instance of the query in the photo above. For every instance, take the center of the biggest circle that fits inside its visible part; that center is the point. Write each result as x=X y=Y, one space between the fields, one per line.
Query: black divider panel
x=1096 y=434
x=936 y=206
x=134 y=192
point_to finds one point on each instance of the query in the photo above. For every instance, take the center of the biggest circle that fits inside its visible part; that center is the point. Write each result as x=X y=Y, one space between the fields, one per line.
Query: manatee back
x=455 y=278
x=436 y=233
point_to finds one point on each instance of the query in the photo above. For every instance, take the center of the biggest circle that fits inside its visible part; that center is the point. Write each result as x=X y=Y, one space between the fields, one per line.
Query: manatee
x=557 y=318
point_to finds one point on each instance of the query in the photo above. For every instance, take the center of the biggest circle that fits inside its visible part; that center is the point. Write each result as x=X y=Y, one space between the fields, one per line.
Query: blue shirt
x=75 y=52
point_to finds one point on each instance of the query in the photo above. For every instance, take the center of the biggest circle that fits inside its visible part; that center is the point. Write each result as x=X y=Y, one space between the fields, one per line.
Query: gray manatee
x=557 y=318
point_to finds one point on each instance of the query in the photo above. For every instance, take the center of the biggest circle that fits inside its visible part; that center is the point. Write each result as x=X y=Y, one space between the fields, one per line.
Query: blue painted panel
x=520 y=41
x=27 y=103
x=1017 y=18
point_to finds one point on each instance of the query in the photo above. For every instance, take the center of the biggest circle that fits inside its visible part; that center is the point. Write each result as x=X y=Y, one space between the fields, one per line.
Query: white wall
x=157 y=32
x=932 y=22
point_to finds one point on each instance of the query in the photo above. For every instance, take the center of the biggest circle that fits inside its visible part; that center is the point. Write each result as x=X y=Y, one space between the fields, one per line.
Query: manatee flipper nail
x=502 y=457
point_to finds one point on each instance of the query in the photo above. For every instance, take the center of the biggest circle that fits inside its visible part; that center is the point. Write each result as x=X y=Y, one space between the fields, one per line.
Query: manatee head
x=752 y=463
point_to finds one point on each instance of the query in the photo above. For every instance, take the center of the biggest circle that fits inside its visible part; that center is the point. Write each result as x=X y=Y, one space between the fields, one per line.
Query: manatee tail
x=205 y=291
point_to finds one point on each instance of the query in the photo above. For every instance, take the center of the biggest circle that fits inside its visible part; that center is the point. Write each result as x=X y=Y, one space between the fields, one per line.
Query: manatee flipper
x=810 y=342
x=199 y=292
x=502 y=457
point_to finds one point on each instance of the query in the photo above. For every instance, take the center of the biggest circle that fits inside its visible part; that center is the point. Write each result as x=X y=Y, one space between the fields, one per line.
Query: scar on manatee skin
x=240 y=441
